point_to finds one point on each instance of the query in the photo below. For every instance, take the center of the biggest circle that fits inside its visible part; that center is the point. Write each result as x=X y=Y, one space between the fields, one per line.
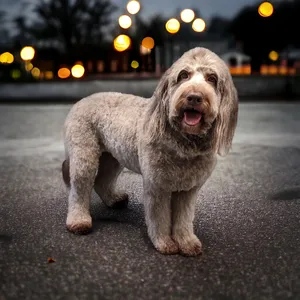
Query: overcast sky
x=207 y=8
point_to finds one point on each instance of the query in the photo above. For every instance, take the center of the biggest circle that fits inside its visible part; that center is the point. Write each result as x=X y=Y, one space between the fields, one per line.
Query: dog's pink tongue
x=192 y=118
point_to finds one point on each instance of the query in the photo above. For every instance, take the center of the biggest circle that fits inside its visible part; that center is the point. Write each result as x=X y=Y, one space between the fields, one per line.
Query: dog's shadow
x=132 y=215
x=287 y=195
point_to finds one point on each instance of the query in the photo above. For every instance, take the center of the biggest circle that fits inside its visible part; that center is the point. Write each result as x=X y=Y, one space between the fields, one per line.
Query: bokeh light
x=265 y=9
x=122 y=42
x=15 y=74
x=6 y=58
x=148 y=42
x=144 y=51
x=187 y=15
x=273 y=55
x=125 y=21
x=133 y=7
x=199 y=25
x=134 y=64
x=63 y=73
x=77 y=71
x=48 y=75
x=27 y=53
x=172 y=26
x=28 y=66
x=273 y=70
x=35 y=72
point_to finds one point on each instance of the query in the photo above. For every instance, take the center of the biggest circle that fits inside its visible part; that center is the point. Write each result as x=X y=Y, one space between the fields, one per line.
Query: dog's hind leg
x=108 y=172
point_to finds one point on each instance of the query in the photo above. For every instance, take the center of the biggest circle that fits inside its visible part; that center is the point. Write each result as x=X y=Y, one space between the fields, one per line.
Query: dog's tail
x=65 y=168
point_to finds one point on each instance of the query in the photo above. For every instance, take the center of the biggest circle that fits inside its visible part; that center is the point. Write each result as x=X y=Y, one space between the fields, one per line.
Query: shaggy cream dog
x=171 y=139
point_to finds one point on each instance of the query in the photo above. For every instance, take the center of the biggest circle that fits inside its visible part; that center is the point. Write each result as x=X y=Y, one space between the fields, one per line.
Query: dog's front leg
x=183 y=211
x=158 y=218
x=83 y=166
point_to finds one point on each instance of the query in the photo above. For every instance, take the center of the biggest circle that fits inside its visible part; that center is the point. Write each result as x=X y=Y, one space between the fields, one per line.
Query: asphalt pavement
x=248 y=219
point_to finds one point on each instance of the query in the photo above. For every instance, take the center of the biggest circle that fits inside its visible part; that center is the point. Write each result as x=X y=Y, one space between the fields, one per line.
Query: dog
x=172 y=139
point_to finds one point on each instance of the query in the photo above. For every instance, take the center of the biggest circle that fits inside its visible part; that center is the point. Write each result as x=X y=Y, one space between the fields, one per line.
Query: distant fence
x=247 y=86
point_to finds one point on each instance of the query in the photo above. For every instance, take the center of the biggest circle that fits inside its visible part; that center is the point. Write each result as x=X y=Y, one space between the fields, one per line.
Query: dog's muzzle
x=192 y=112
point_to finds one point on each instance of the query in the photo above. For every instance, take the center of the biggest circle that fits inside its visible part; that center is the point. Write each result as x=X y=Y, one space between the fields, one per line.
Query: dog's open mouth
x=192 y=117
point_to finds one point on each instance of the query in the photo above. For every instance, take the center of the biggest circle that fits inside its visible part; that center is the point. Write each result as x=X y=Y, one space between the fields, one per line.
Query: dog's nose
x=194 y=99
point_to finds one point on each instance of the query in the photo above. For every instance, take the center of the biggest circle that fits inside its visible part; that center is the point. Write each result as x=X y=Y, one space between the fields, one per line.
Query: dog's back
x=115 y=118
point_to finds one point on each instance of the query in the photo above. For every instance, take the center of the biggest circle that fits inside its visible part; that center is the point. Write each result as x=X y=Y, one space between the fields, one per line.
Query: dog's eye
x=212 y=79
x=183 y=75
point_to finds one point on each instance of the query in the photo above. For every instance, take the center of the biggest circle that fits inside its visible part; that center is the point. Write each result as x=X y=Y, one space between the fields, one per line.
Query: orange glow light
x=264 y=70
x=49 y=75
x=148 y=42
x=63 y=73
x=273 y=70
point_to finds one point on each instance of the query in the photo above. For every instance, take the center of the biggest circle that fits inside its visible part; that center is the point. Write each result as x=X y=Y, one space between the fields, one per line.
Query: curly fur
x=106 y=132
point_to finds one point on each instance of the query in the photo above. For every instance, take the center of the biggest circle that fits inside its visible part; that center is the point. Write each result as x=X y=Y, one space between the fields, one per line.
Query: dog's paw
x=166 y=245
x=189 y=246
x=120 y=201
x=79 y=224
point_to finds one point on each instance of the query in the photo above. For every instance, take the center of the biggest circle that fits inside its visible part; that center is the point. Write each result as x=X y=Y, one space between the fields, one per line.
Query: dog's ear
x=158 y=111
x=227 y=118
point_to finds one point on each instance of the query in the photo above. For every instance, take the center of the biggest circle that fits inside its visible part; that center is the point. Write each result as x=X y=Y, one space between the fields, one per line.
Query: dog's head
x=198 y=98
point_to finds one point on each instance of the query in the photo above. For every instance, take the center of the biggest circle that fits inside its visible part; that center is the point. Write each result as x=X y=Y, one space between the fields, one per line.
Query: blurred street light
x=63 y=73
x=148 y=42
x=144 y=51
x=15 y=74
x=199 y=25
x=122 y=42
x=187 y=15
x=273 y=55
x=134 y=64
x=28 y=66
x=77 y=71
x=125 y=21
x=35 y=72
x=49 y=75
x=172 y=26
x=133 y=7
x=265 y=9
x=6 y=58
x=27 y=53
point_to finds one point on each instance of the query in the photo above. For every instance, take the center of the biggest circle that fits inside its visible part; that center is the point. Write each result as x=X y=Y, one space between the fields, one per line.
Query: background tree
x=22 y=36
x=156 y=29
x=69 y=24
x=3 y=30
x=259 y=35
x=218 y=26
x=2 y=17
